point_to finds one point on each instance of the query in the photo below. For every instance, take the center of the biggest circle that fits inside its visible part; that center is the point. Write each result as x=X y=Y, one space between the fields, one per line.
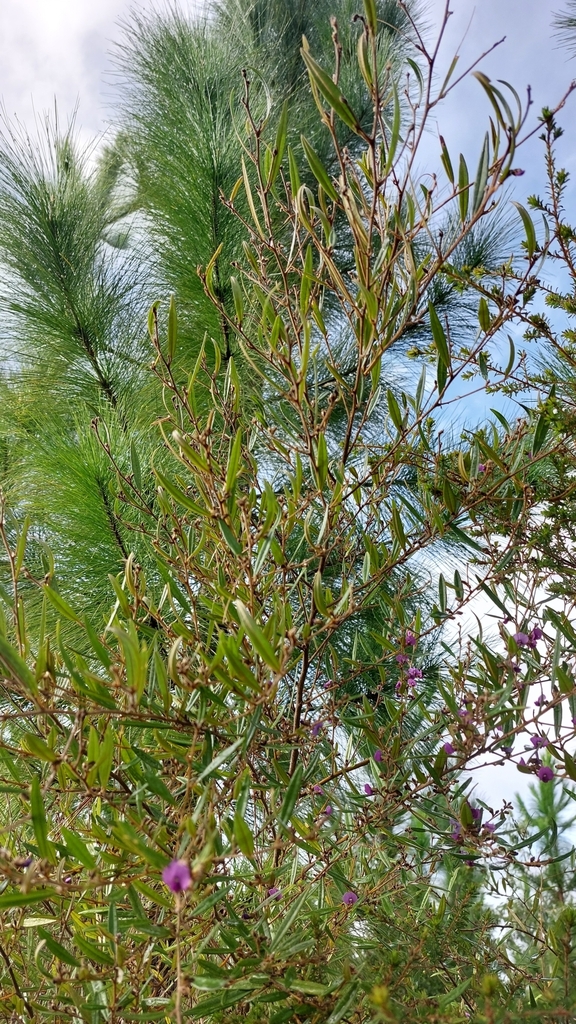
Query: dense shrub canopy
x=242 y=707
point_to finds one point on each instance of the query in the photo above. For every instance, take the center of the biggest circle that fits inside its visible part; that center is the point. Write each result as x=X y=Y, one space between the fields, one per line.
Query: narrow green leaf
x=243 y=835
x=484 y=318
x=56 y=949
x=463 y=188
x=481 y=176
x=230 y=537
x=220 y=758
x=330 y=91
x=542 y=428
x=440 y=340
x=291 y=795
x=77 y=848
x=318 y=170
x=259 y=640
x=528 y=227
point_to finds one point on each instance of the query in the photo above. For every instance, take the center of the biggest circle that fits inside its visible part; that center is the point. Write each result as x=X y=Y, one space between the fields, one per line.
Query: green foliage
x=243 y=792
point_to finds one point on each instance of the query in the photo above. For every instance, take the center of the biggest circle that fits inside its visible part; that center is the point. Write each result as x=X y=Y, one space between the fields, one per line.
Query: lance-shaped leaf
x=258 y=638
x=528 y=227
x=15 y=667
x=330 y=91
x=318 y=169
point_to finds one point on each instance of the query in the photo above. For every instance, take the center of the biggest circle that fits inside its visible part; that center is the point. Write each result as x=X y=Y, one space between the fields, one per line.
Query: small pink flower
x=368 y=789
x=378 y=756
x=177 y=876
x=545 y=774
x=349 y=899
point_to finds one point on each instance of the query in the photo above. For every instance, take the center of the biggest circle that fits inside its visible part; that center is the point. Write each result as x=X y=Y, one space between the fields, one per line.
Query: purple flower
x=522 y=761
x=349 y=899
x=507 y=750
x=378 y=756
x=456 y=834
x=318 y=790
x=328 y=810
x=177 y=876
x=536 y=633
x=402 y=659
x=481 y=467
x=414 y=673
x=522 y=639
x=545 y=774
x=489 y=827
x=448 y=748
x=517 y=172
x=316 y=729
x=541 y=700
x=274 y=892
x=410 y=640
x=476 y=813
x=516 y=668
x=368 y=789
x=538 y=741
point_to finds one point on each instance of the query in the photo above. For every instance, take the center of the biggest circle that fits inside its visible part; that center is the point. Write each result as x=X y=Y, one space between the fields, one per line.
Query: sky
x=58 y=51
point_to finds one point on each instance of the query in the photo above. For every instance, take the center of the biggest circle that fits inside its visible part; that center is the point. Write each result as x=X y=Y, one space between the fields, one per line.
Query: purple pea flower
x=536 y=633
x=545 y=774
x=368 y=789
x=414 y=673
x=378 y=756
x=274 y=892
x=489 y=827
x=522 y=639
x=316 y=729
x=177 y=876
x=448 y=748
x=540 y=701
x=507 y=751
x=318 y=790
x=481 y=467
x=538 y=741
x=402 y=659
x=328 y=810
x=410 y=640
x=456 y=834
x=349 y=899
x=476 y=813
